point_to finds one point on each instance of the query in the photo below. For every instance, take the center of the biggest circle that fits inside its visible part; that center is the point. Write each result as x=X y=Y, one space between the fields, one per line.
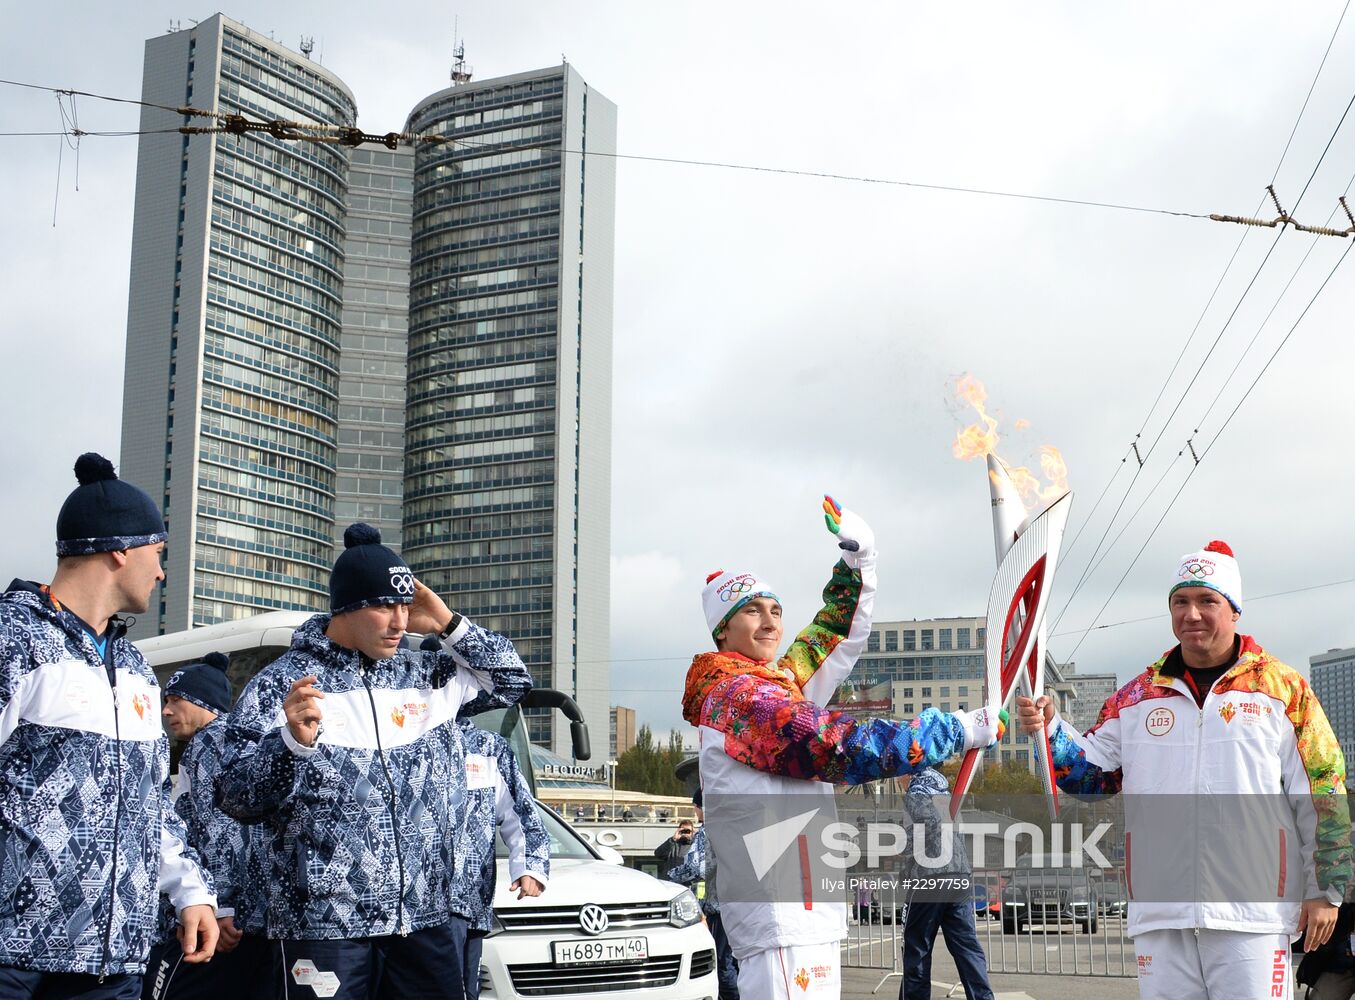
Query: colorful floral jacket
x=363 y=824
x=1259 y=760
x=87 y=834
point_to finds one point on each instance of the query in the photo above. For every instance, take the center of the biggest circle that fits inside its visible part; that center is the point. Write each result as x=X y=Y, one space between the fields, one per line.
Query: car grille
x=620 y=916
x=549 y=980
x=703 y=964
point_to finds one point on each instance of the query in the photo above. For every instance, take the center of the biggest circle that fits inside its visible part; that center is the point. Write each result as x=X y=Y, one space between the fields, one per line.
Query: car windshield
x=564 y=842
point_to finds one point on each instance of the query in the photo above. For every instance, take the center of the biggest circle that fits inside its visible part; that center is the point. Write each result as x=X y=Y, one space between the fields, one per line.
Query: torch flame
x=981 y=439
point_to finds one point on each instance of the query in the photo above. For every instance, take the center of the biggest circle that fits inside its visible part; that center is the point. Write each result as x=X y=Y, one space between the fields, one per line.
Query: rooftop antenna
x=173 y=26
x=307 y=45
x=461 y=73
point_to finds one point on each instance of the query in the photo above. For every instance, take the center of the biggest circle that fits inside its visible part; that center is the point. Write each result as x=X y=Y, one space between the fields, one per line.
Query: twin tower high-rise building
x=419 y=338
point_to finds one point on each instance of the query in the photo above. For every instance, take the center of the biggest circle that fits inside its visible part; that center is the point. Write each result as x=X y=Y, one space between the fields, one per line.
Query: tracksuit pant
x=955 y=920
x=726 y=965
x=24 y=984
x=422 y=965
x=1213 y=965
x=793 y=972
x=247 y=970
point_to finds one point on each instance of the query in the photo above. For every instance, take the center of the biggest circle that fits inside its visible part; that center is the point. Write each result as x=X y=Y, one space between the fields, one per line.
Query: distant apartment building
x=507 y=499
x=1090 y=692
x=622 y=728
x=1333 y=680
x=231 y=386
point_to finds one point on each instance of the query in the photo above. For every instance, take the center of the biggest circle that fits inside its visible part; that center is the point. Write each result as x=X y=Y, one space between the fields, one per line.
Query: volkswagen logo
x=592 y=919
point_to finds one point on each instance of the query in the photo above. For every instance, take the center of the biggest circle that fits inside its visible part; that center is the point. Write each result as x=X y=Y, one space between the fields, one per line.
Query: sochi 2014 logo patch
x=141 y=704
x=1227 y=711
x=402 y=581
x=1160 y=721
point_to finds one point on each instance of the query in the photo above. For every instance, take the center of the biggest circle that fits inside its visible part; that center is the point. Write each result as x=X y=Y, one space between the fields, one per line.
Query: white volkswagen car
x=599 y=929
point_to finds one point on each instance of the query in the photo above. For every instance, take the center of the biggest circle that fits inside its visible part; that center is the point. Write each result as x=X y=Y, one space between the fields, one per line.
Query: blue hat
x=205 y=684
x=105 y=514
x=367 y=573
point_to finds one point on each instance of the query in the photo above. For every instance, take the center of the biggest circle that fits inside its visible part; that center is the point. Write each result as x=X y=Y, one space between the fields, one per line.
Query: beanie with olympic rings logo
x=725 y=593
x=1214 y=567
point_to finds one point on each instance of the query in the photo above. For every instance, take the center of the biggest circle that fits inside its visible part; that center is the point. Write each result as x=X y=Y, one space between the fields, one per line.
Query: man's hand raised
x=429 y=614
x=302 y=709
x=1033 y=714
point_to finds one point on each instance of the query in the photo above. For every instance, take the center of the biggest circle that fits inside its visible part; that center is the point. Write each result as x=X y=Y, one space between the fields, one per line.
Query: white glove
x=854 y=536
x=982 y=728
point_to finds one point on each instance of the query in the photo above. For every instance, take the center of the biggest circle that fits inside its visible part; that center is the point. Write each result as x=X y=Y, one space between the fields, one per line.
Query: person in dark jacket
x=929 y=909
x=197 y=700
x=347 y=748
x=700 y=866
x=87 y=836
x=673 y=850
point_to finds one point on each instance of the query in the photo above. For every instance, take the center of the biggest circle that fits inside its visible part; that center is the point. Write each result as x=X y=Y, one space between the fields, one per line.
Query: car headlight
x=684 y=910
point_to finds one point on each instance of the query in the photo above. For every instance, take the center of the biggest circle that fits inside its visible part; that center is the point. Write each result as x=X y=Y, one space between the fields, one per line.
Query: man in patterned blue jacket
x=87 y=835
x=347 y=748
x=197 y=701
x=497 y=800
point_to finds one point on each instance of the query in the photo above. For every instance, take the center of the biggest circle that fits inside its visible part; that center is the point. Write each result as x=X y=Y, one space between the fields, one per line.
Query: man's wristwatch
x=446 y=633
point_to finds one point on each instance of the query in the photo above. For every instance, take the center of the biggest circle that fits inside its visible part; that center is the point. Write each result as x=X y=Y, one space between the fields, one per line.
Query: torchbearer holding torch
x=764 y=734
x=1216 y=724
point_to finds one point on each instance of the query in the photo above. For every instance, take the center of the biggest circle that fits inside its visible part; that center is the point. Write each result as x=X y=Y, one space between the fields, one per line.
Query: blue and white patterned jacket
x=497 y=798
x=222 y=842
x=364 y=823
x=87 y=835
x=698 y=866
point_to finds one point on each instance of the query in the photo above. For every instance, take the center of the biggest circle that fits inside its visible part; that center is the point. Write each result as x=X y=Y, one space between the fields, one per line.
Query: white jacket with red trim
x=1235 y=812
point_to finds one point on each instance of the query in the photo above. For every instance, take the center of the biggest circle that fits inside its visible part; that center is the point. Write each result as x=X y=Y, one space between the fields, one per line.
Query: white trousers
x=795 y=972
x=1213 y=965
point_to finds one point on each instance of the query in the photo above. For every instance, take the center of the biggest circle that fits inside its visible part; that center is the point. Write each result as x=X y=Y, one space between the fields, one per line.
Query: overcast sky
x=778 y=337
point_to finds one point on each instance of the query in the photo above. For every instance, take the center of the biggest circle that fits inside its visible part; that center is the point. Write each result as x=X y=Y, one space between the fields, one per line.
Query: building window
x=962 y=638
x=945 y=691
x=926 y=692
x=909 y=641
x=927 y=639
x=980 y=636
x=964 y=690
x=908 y=708
x=908 y=692
x=873 y=643
x=945 y=706
x=945 y=638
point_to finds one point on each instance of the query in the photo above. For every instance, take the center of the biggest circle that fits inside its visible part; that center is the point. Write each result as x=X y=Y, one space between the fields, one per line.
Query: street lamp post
x=611 y=771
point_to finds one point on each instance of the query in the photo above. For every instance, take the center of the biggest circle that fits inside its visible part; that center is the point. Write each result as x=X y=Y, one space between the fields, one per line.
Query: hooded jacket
x=87 y=833
x=1235 y=811
x=763 y=733
x=497 y=800
x=364 y=823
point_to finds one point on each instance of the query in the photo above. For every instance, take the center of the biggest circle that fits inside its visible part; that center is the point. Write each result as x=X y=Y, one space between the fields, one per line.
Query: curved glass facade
x=250 y=435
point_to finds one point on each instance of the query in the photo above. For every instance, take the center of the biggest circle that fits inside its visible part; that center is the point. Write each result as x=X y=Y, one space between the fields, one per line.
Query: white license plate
x=599 y=950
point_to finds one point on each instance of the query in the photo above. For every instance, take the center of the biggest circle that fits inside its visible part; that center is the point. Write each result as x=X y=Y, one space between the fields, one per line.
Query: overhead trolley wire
x=1142 y=458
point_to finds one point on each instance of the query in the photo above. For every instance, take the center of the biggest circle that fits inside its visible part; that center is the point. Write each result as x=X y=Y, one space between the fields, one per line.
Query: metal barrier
x=1057 y=922
x=1037 y=922
x=875 y=933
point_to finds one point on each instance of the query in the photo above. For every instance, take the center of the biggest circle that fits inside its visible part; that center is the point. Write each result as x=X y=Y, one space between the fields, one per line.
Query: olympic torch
x=1027 y=549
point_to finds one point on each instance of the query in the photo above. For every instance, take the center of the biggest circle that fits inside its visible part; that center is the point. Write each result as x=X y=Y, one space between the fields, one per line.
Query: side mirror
x=609 y=854
x=578 y=734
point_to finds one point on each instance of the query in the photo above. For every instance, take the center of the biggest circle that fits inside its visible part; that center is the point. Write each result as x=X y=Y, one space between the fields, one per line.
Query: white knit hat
x=725 y=593
x=1214 y=567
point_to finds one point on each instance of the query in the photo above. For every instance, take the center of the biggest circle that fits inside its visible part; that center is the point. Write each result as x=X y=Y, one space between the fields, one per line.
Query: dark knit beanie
x=367 y=573
x=696 y=798
x=204 y=684
x=105 y=514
